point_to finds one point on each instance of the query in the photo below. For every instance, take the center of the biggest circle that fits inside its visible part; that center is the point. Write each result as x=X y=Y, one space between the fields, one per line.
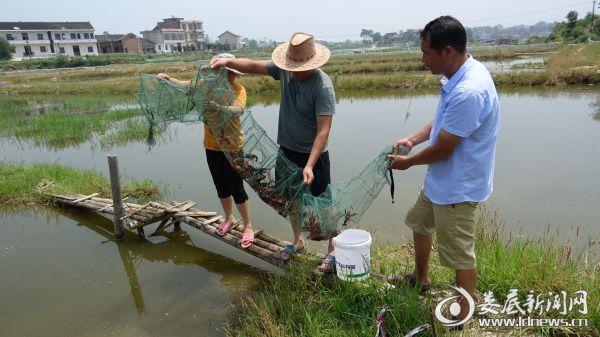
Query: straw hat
x=228 y=56
x=301 y=53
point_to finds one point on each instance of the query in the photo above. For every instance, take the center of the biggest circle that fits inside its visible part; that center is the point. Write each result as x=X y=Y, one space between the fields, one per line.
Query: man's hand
x=218 y=62
x=400 y=162
x=163 y=76
x=404 y=142
x=307 y=174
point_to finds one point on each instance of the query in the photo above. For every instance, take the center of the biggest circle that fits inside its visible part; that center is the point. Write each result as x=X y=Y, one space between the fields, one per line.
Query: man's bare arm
x=323 y=128
x=415 y=138
x=246 y=66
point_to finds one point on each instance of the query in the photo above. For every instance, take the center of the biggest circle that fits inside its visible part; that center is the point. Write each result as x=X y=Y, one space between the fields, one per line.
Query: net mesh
x=211 y=99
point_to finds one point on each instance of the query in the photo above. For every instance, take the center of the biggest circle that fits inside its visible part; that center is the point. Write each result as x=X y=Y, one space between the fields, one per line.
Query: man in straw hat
x=305 y=115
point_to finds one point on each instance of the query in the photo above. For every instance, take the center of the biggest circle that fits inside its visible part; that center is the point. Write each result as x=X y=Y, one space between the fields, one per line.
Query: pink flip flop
x=224 y=227
x=247 y=239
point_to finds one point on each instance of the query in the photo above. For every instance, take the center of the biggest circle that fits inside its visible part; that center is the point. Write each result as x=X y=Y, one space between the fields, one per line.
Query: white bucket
x=353 y=254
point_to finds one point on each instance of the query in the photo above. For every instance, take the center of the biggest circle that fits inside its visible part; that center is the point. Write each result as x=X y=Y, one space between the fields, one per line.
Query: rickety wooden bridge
x=265 y=247
x=137 y=216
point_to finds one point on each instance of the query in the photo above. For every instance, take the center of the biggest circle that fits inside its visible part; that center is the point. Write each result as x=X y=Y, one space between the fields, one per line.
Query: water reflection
x=596 y=106
x=175 y=247
x=520 y=64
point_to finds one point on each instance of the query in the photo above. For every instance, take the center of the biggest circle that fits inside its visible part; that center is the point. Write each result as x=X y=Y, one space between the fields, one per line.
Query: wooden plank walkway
x=265 y=247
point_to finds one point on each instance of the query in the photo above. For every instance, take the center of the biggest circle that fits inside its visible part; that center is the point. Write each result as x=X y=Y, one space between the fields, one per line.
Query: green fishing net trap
x=211 y=99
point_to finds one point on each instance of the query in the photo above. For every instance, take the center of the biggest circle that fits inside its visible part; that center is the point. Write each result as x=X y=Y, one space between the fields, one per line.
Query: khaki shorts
x=454 y=226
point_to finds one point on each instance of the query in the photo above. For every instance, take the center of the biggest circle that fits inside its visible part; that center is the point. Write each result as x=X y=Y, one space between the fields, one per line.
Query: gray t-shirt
x=301 y=103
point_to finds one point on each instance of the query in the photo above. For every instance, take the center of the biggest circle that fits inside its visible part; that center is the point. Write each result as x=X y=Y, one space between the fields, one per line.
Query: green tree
x=571 y=20
x=377 y=37
x=5 y=49
x=366 y=34
x=575 y=29
x=535 y=39
x=470 y=34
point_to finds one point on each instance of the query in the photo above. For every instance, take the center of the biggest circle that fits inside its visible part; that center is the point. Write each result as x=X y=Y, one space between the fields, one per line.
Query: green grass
x=132 y=130
x=18 y=183
x=60 y=122
x=577 y=64
x=301 y=304
x=528 y=65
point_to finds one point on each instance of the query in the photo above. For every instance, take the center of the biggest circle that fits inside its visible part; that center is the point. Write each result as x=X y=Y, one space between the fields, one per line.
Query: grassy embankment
x=301 y=304
x=100 y=60
x=18 y=183
x=60 y=122
x=572 y=65
x=115 y=59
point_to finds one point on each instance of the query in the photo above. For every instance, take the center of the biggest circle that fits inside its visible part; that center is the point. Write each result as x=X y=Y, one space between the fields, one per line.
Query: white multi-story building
x=176 y=35
x=45 y=39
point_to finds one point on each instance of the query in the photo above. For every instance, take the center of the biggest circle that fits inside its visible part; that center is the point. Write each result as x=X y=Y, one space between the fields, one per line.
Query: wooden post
x=115 y=185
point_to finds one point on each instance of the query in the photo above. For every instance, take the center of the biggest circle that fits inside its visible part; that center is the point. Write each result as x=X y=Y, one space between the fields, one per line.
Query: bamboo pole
x=274 y=240
x=84 y=205
x=110 y=205
x=273 y=248
x=238 y=233
x=115 y=185
x=97 y=206
x=138 y=210
x=197 y=214
x=140 y=224
x=85 y=198
x=262 y=253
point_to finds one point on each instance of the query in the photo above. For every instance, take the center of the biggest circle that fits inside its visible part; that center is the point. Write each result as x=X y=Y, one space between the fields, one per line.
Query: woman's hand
x=213 y=106
x=163 y=76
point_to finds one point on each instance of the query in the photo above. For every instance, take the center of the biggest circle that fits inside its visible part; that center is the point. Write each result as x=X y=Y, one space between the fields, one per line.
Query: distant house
x=233 y=41
x=267 y=43
x=506 y=40
x=46 y=39
x=149 y=46
x=121 y=43
x=176 y=35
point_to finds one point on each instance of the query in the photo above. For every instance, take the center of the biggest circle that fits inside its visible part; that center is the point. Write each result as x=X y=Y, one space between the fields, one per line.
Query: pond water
x=60 y=270
x=507 y=65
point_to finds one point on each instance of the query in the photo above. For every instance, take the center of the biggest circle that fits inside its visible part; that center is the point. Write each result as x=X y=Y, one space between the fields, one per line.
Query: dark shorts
x=227 y=181
x=321 y=171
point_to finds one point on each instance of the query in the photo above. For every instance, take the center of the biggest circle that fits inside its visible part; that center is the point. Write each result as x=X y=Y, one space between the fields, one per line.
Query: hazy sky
x=329 y=20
